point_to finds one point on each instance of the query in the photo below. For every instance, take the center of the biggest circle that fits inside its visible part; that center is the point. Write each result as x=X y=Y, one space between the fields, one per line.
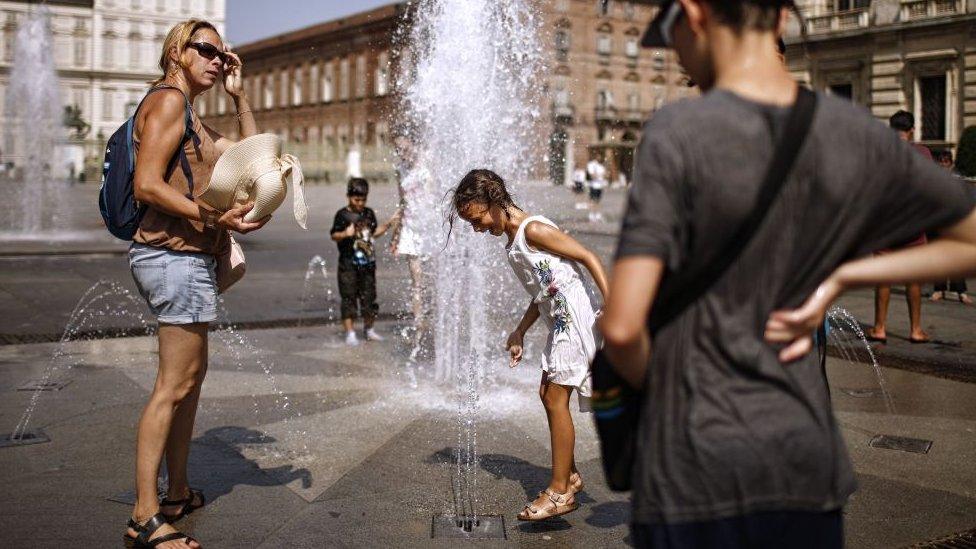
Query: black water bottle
x=616 y=410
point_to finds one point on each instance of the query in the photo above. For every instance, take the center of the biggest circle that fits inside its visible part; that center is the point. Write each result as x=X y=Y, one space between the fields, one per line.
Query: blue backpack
x=116 y=200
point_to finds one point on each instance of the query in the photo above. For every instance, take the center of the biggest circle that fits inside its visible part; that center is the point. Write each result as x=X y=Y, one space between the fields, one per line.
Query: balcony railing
x=839 y=21
x=922 y=9
x=606 y=114
x=564 y=113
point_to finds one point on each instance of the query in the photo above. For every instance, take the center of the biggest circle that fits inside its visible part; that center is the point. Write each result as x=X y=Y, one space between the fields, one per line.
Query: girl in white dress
x=547 y=262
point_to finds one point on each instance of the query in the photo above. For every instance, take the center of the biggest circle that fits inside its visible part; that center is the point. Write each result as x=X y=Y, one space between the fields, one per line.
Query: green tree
x=966 y=153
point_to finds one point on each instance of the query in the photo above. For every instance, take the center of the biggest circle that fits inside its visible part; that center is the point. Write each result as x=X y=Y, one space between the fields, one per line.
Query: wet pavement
x=334 y=448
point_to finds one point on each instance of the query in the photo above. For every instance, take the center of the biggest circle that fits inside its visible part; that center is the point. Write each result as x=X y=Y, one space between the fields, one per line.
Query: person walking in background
x=958 y=286
x=354 y=231
x=173 y=262
x=737 y=445
x=596 y=175
x=903 y=123
x=579 y=187
x=408 y=241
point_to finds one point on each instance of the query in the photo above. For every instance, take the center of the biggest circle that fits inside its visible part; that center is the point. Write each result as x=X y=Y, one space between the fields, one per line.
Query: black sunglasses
x=209 y=51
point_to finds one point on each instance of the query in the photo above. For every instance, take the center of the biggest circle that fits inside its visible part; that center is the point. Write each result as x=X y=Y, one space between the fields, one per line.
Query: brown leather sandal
x=186 y=505
x=554 y=506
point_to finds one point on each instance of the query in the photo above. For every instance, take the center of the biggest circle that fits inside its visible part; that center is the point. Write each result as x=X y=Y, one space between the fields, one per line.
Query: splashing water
x=849 y=338
x=311 y=289
x=243 y=351
x=105 y=299
x=470 y=101
x=34 y=127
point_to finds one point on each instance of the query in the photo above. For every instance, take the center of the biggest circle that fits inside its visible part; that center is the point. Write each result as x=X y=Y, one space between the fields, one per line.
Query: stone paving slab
x=334 y=449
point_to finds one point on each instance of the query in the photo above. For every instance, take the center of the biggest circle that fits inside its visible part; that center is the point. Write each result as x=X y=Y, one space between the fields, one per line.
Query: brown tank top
x=161 y=230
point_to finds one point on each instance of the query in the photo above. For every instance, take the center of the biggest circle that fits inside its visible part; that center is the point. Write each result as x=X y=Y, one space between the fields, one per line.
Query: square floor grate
x=480 y=527
x=42 y=385
x=904 y=444
x=25 y=439
x=960 y=540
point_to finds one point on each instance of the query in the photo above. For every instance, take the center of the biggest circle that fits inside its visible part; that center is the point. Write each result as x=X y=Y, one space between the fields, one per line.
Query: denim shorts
x=179 y=287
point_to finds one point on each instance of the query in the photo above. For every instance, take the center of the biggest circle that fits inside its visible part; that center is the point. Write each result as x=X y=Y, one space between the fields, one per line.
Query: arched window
x=313 y=79
x=344 y=80
x=267 y=101
x=382 y=77
x=361 y=76
x=327 y=84
x=296 y=87
x=283 y=90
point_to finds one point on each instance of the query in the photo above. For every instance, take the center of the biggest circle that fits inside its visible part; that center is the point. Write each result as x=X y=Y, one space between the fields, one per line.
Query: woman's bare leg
x=180 y=435
x=179 y=376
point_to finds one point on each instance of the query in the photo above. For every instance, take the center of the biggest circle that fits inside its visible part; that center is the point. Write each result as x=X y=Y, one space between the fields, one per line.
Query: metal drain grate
x=26 y=439
x=861 y=393
x=904 y=444
x=479 y=527
x=42 y=385
x=961 y=540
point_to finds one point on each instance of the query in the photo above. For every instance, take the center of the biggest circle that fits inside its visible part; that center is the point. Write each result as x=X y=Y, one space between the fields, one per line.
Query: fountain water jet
x=470 y=100
x=33 y=129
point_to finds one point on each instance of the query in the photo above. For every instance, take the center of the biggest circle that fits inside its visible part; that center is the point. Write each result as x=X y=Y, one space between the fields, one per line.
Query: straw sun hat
x=253 y=169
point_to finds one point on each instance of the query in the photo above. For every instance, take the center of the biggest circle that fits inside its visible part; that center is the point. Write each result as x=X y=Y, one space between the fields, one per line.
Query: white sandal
x=554 y=506
x=576 y=483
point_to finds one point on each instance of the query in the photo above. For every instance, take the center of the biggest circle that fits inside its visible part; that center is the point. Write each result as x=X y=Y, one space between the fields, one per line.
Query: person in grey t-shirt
x=737 y=444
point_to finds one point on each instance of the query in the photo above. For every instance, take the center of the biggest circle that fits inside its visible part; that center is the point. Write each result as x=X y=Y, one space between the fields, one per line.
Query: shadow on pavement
x=219 y=468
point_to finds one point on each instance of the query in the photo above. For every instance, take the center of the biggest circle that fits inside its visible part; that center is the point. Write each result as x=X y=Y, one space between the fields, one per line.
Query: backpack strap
x=188 y=134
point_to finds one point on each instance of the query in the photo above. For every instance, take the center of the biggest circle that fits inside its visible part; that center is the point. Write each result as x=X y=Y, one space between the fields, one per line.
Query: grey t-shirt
x=726 y=428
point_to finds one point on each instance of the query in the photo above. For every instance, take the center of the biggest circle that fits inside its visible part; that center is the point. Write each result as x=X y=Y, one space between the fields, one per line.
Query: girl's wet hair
x=482 y=187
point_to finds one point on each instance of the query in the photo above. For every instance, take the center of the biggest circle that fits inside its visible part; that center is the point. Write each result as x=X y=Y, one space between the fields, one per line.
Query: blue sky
x=250 y=20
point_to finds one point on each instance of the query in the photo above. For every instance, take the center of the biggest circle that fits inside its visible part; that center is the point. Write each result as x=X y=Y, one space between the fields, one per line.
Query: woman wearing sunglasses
x=173 y=260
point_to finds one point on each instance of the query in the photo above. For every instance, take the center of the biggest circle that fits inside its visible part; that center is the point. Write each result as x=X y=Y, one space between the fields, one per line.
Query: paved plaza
x=302 y=442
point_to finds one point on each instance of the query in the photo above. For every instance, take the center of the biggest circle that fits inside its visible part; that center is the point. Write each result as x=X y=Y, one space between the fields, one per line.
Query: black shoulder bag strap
x=616 y=405
x=784 y=157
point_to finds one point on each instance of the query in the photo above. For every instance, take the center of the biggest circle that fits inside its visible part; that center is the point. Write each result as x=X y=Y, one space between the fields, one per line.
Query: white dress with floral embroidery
x=557 y=286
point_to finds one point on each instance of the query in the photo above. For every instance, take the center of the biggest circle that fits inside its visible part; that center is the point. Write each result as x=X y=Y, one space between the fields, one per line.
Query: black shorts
x=357 y=288
x=578 y=187
x=596 y=194
x=793 y=529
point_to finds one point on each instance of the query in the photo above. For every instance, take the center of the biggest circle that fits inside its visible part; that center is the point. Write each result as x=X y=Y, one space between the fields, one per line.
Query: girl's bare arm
x=952 y=255
x=548 y=238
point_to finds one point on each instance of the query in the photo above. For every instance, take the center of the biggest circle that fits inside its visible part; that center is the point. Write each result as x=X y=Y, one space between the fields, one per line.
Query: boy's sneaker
x=351 y=339
x=371 y=335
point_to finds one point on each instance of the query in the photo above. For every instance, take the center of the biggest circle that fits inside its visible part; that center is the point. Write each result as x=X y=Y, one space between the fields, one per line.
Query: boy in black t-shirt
x=354 y=230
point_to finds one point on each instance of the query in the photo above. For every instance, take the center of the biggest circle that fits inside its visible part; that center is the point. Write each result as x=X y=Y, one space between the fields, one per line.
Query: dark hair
x=357 y=187
x=761 y=15
x=781 y=46
x=944 y=154
x=481 y=186
x=902 y=121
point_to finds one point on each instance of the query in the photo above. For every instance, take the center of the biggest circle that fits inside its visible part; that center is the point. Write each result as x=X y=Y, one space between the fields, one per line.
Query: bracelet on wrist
x=245 y=111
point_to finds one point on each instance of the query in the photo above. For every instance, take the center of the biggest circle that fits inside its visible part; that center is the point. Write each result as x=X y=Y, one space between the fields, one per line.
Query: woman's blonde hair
x=179 y=36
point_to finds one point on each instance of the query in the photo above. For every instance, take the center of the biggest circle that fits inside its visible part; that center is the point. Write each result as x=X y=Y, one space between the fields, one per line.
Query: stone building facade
x=916 y=55
x=105 y=52
x=603 y=85
x=327 y=89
